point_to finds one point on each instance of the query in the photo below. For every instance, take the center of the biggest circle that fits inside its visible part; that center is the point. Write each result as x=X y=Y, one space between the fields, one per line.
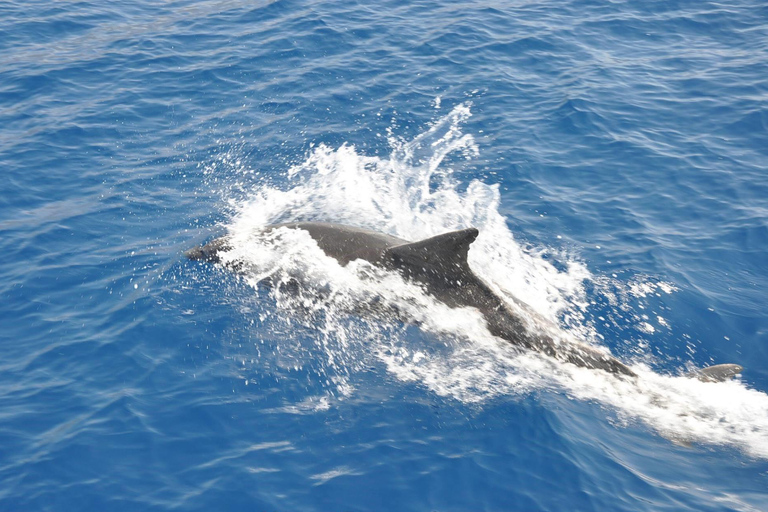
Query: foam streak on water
x=413 y=195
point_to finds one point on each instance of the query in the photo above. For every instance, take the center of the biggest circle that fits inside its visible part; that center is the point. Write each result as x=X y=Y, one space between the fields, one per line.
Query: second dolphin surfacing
x=440 y=265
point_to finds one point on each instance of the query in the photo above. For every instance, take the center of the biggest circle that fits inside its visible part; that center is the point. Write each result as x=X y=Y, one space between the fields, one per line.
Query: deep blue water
x=615 y=153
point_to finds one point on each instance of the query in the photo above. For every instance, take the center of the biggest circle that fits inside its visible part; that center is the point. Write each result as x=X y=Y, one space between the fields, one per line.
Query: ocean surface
x=613 y=155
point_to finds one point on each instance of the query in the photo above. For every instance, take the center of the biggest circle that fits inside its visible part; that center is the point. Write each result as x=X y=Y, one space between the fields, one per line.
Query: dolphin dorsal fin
x=446 y=253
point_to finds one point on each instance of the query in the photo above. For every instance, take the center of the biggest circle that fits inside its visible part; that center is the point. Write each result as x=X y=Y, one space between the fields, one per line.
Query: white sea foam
x=413 y=195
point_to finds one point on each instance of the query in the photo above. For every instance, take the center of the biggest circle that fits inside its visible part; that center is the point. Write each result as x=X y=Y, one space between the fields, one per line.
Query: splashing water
x=413 y=195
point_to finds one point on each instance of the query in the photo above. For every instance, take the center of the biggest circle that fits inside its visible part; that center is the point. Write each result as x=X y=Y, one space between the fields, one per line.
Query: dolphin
x=440 y=265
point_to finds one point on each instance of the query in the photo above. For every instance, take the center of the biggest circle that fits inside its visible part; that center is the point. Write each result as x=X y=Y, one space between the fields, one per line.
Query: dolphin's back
x=346 y=243
x=343 y=243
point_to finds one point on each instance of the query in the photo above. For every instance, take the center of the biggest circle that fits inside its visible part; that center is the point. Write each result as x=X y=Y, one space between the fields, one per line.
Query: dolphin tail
x=716 y=373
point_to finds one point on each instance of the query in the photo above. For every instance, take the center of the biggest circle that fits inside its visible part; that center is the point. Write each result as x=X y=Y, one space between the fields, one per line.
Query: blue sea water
x=613 y=154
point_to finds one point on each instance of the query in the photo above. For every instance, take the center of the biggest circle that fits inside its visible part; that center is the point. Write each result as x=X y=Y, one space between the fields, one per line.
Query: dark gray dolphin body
x=440 y=265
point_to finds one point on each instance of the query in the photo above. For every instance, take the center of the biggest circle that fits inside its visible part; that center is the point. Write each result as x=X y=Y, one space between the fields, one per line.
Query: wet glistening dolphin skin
x=440 y=265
